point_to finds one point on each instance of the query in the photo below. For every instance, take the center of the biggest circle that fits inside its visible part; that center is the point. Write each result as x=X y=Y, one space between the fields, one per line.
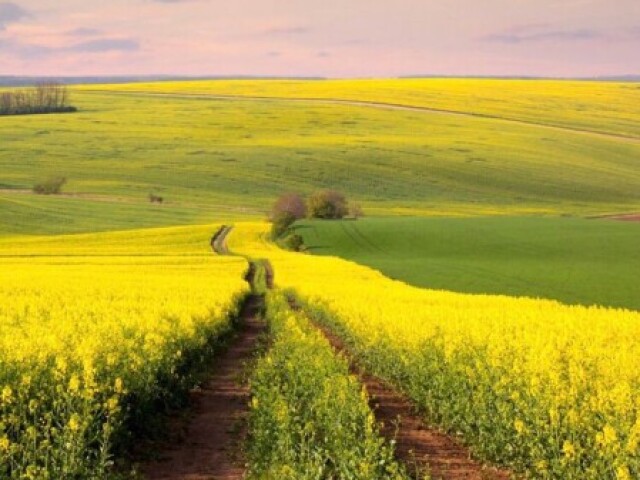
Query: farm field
x=546 y=388
x=113 y=309
x=595 y=106
x=96 y=332
x=224 y=158
x=573 y=260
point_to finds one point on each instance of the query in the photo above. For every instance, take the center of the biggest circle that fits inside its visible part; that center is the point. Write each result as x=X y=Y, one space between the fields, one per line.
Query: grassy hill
x=573 y=260
x=607 y=107
x=219 y=158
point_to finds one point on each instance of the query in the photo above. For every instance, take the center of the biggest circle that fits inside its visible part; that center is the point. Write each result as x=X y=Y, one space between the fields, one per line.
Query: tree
x=291 y=203
x=327 y=204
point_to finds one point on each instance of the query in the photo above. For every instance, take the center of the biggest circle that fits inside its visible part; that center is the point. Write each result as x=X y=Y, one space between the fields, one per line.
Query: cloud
x=83 y=32
x=101 y=45
x=542 y=33
x=11 y=13
x=280 y=31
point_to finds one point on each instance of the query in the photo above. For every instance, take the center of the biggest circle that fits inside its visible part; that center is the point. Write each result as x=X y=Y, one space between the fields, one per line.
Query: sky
x=329 y=38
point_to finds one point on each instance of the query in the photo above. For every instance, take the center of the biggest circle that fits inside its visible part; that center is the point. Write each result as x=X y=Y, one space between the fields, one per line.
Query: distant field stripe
x=382 y=105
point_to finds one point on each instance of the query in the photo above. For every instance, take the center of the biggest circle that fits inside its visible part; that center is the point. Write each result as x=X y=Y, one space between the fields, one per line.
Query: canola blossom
x=310 y=418
x=549 y=389
x=94 y=330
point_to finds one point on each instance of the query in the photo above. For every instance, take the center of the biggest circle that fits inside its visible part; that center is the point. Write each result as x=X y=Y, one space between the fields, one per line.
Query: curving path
x=379 y=105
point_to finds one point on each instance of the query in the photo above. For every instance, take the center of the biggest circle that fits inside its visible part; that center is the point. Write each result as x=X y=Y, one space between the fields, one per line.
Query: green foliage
x=310 y=419
x=327 y=204
x=568 y=259
x=245 y=153
x=281 y=223
x=50 y=186
x=294 y=242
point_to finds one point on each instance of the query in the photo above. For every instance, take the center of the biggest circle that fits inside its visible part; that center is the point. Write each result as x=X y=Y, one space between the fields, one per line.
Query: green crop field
x=568 y=259
x=218 y=158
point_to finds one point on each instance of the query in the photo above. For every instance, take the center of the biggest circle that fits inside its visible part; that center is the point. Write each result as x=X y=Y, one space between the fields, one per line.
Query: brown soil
x=421 y=448
x=628 y=218
x=211 y=445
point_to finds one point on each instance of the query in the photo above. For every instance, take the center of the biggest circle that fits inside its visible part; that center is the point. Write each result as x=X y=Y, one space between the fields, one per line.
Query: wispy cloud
x=106 y=45
x=83 y=32
x=11 y=13
x=543 y=33
x=284 y=31
x=100 y=45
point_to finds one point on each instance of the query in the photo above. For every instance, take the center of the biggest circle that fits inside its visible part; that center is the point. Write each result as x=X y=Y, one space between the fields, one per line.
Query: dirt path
x=219 y=243
x=384 y=106
x=211 y=448
x=212 y=441
x=420 y=447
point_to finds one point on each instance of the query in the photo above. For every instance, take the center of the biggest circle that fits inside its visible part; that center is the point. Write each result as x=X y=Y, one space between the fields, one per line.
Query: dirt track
x=421 y=448
x=211 y=447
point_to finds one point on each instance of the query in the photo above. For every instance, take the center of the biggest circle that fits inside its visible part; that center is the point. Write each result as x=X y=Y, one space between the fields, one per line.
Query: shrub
x=291 y=203
x=50 y=186
x=355 y=209
x=327 y=204
x=294 y=242
x=281 y=223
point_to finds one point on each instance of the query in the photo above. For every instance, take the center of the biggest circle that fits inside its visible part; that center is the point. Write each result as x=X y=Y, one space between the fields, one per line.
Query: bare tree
x=45 y=97
x=289 y=203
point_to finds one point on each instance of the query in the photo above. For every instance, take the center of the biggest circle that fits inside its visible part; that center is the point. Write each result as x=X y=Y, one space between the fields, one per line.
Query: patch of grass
x=572 y=260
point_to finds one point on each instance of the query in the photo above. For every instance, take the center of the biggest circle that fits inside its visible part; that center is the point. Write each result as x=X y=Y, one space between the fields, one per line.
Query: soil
x=212 y=441
x=628 y=218
x=421 y=448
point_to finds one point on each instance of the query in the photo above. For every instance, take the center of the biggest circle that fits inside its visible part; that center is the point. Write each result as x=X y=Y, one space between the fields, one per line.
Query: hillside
x=215 y=158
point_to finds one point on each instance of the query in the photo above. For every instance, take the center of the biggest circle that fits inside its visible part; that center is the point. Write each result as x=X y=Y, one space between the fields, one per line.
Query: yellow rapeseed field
x=94 y=331
x=548 y=389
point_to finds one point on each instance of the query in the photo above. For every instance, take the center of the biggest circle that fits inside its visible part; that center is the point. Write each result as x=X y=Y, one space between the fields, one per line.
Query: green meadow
x=220 y=158
x=573 y=260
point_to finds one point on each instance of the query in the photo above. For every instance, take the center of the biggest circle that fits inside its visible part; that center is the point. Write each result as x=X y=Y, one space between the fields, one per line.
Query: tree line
x=45 y=97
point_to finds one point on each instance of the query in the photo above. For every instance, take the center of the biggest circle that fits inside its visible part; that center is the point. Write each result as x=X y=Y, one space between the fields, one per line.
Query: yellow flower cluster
x=550 y=389
x=93 y=329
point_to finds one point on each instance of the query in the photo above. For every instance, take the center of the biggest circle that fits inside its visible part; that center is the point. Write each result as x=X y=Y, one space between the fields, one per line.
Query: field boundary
x=379 y=105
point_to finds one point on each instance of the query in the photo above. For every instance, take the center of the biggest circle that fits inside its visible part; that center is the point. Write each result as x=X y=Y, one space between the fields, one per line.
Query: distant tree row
x=46 y=97
x=324 y=204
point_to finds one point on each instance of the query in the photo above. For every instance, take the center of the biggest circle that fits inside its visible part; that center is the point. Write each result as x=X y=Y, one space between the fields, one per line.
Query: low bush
x=50 y=186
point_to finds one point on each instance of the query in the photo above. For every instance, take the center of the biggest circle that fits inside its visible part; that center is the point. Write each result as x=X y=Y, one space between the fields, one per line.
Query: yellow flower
x=118 y=385
x=568 y=449
x=74 y=384
x=622 y=473
x=74 y=422
x=4 y=443
x=7 y=394
x=519 y=426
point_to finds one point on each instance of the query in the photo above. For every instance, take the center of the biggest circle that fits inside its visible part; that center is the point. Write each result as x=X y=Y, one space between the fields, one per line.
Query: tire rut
x=421 y=448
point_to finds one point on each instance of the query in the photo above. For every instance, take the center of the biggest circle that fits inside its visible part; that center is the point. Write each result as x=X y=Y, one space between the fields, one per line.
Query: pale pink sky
x=336 y=38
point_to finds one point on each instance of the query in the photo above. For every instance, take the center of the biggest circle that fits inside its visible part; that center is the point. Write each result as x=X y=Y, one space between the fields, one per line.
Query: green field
x=217 y=158
x=573 y=260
